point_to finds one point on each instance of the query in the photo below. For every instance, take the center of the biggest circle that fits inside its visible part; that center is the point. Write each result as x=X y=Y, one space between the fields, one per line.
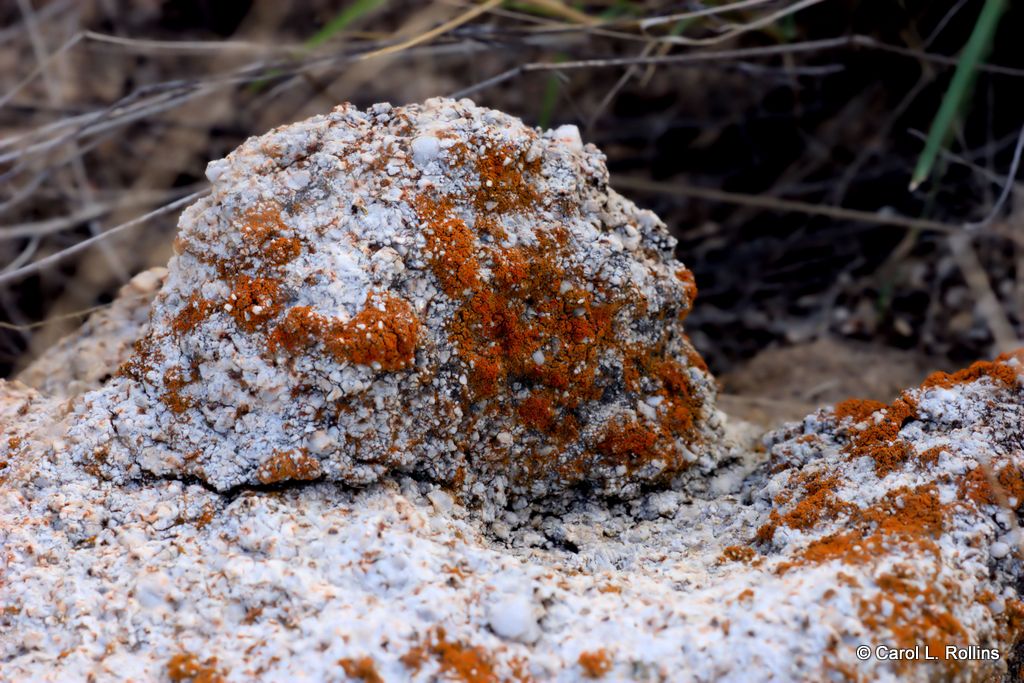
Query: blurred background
x=778 y=140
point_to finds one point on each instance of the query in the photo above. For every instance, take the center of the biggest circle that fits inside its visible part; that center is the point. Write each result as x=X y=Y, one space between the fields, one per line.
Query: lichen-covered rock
x=434 y=289
x=869 y=542
x=887 y=527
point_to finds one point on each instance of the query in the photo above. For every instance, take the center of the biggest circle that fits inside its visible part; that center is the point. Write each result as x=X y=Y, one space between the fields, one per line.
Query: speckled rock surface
x=433 y=289
x=885 y=527
x=865 y=525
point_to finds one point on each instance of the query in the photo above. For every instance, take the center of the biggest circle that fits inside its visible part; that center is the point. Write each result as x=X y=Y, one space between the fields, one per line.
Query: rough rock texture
x=885 y=526
x=434 y=289
x=865 y=525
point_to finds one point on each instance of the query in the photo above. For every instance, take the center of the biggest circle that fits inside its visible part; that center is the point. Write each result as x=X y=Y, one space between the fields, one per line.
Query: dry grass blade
x=1007 y=186
x=435 y=32
x=675 y=60
x=821 y=45
x=39 y=69
x=52 y=259
x=87 y=213
x=758 y=23
x=27 y=327
x=986 y=301
x=560 y=9
x=649 y=22
x=146 y=45
x=785 y=205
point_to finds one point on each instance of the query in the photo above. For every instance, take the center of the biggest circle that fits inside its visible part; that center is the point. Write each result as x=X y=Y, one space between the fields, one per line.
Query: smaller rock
x=512 y=618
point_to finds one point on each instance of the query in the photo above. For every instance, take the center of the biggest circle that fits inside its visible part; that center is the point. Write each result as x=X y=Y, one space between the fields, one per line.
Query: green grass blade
x=341 y=21
x=552 y=90
x=959 y=88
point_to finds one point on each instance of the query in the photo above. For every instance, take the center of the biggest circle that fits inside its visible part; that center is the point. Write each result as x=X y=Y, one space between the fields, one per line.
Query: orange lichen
x=1011 y=622
x=533 y=321
x=536 y=412
x=254 y=301
x=930 y=456
x=503 y=187
x=451 y=245
x=462 y=662
x=681 y=405
x=362 y=669
x=913 y=609
x=267 y=244
x=847 y=546
x=818 y=502
x=206 y=516
x=738 y=553
x=195 y=310
x=879 y=439
x=300 y=328
x=908 y=517
x=595 y=663
x=985 y=488
x=911 y=514
x=253 y=614
x=294 y=465
x=261 y=223
x=141 y=361
x=857 y=409
x=253 y=272
x=415 y=658
x=685 y=275
x=282 y=250
x=997 y=371
x=187 y=667
x=626 y=441
x=879 y=425
x=469 y=664
x=383 y=334
x=172 y=398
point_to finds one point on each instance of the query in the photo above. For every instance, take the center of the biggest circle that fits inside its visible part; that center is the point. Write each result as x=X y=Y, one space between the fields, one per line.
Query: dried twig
x=985 y=300
x=27 y=327
x=822 y=45
x=427 y=36
x=52 y=259
x=1007 y=187
x=785 y=205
